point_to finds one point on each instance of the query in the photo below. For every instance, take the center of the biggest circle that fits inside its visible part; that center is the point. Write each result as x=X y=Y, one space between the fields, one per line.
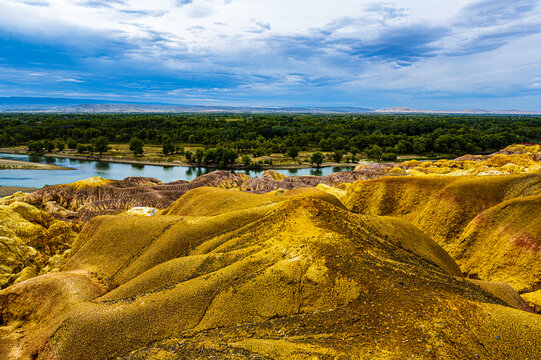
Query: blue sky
x=421 y=53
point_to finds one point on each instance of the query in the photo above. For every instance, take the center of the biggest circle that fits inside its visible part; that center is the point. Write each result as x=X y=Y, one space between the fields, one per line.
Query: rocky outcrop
x=85 y=199
x=516 y=159
x=271 y=180
x=361 y=172
x=291 y=182
x=518 y=149
x=31 y=242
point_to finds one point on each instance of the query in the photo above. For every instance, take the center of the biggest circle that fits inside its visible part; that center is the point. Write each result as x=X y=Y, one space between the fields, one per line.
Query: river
x=88 y=168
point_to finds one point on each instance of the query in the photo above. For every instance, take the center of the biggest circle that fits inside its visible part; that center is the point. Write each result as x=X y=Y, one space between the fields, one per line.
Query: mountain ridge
x=67 y=105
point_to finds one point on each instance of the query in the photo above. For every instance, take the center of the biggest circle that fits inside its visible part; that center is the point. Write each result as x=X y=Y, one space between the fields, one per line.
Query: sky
x=424 y=54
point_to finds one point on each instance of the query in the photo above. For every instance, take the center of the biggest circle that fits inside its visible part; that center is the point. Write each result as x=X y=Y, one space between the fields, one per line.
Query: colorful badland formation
x=411 y=260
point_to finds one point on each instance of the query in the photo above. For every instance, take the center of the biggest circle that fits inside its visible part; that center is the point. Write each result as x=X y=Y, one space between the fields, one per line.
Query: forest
x=381 y=137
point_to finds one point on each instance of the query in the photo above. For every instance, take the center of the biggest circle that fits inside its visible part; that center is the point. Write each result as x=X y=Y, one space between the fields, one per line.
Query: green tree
x=388 y=156
x=337 y=155
x=317 y=159
x=136 y=146
x=82 y=148
x=189 y=156
x=60 y=145
x=101 y=144
x=419 y=145
x=168 y=147
x=199 y=155
x=48 y=145
x=374 y=152
x=72 y=144
x=293 y=153
x=246 y=160
x=402 y=146
x=209 y=156
x=35 y=147
x=259 y=151
x=6 y=140
x=229 y=156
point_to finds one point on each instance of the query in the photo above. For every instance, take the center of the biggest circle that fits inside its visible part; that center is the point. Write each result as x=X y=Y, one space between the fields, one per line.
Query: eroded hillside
x=275 y=276
x=32 y=242
x=490 y=225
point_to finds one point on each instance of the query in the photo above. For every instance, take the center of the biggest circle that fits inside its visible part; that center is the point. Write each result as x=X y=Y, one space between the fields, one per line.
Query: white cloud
x=348 y=45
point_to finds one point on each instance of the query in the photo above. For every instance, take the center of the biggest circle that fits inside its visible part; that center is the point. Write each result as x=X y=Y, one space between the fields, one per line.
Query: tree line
x=224 y=135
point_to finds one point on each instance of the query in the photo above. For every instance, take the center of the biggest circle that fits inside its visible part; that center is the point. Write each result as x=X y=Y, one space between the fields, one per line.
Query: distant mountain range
x=63 y=105
x=407 y=110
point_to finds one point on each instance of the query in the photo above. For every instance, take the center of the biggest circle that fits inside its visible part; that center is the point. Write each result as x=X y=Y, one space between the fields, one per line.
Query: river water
x=86 y=168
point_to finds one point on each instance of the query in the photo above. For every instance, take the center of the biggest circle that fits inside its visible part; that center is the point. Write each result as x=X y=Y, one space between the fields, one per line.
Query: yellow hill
x=448 y=211
x=294 y=278
x=516 y=159
x=394 y=196
x=207 y=201
x=90 y=182
x=503 y=244
x=440 y=206
x=490 y=225
x=272 y=175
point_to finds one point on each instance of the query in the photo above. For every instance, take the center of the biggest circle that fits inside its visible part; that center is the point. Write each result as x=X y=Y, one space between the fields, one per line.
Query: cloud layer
x=483 y=53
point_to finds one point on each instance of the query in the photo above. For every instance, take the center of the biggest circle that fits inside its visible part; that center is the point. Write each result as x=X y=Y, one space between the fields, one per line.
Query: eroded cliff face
x=32 y=242
x=281 y=275
x=271 y=180
x=85 y=199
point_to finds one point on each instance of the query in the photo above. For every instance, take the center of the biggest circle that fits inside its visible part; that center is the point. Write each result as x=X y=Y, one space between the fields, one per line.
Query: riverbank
x=172 y=162
x=26 y=165
x=86 y=168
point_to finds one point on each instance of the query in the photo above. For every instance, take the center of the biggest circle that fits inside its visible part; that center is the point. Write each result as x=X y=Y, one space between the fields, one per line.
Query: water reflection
x=138 y=166
x=199 y=171
x=89 y=168
x=35 y=158
x=82 y=161
x=102 y=165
